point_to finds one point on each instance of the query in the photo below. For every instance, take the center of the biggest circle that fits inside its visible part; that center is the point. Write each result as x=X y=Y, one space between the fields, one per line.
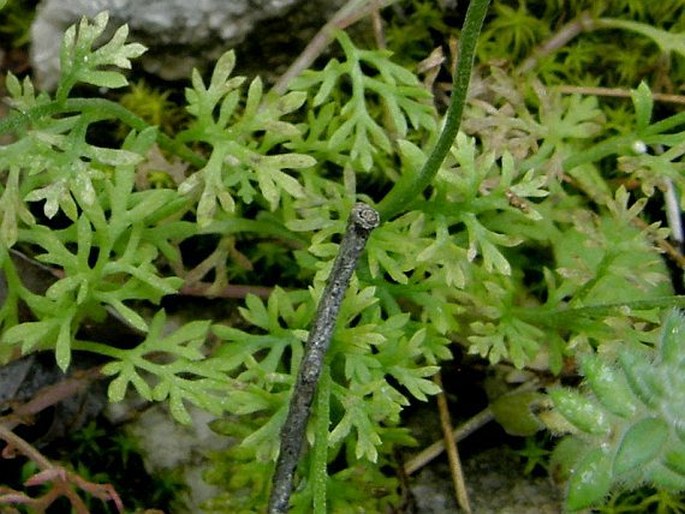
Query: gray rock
x=495 y=482
x=179 y=34
x=168 y=446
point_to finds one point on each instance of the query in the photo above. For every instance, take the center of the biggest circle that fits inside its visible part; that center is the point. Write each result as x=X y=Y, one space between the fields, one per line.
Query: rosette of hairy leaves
x=628 y=425
x=246 y=140
x=358 y=129
x=608 y=258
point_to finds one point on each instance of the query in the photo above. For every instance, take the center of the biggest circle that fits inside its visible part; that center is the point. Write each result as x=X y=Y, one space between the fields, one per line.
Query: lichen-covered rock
x=179 y=34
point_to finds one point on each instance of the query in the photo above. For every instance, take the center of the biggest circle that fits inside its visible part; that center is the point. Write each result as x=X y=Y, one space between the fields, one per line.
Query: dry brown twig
x=458 y=434
x=63 y=482
x=348 y=14
x=616 y=92
x=580 y=24
x=452 y=452
x=461 y=432
x=49 y=396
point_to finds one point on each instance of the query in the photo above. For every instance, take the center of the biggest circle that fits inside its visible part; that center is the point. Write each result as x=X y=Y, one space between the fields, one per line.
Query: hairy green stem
x=318 y=474
x=563 y=317
x=407 y=189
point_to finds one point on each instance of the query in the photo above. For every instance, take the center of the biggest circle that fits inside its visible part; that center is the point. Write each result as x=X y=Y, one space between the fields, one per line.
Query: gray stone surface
x=180 y=34
x=168 y=446
x=495 y=482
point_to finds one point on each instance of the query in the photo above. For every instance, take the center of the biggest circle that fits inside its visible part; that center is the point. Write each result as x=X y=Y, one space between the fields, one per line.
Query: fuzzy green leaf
x=641 y=379
x=675 y=460
x=590 y=480
x=580 y=411
x=640 y=444
x=609 y=386
x=672 y=337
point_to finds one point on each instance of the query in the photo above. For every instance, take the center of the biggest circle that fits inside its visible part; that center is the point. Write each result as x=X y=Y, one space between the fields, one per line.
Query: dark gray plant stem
x=363 y=219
